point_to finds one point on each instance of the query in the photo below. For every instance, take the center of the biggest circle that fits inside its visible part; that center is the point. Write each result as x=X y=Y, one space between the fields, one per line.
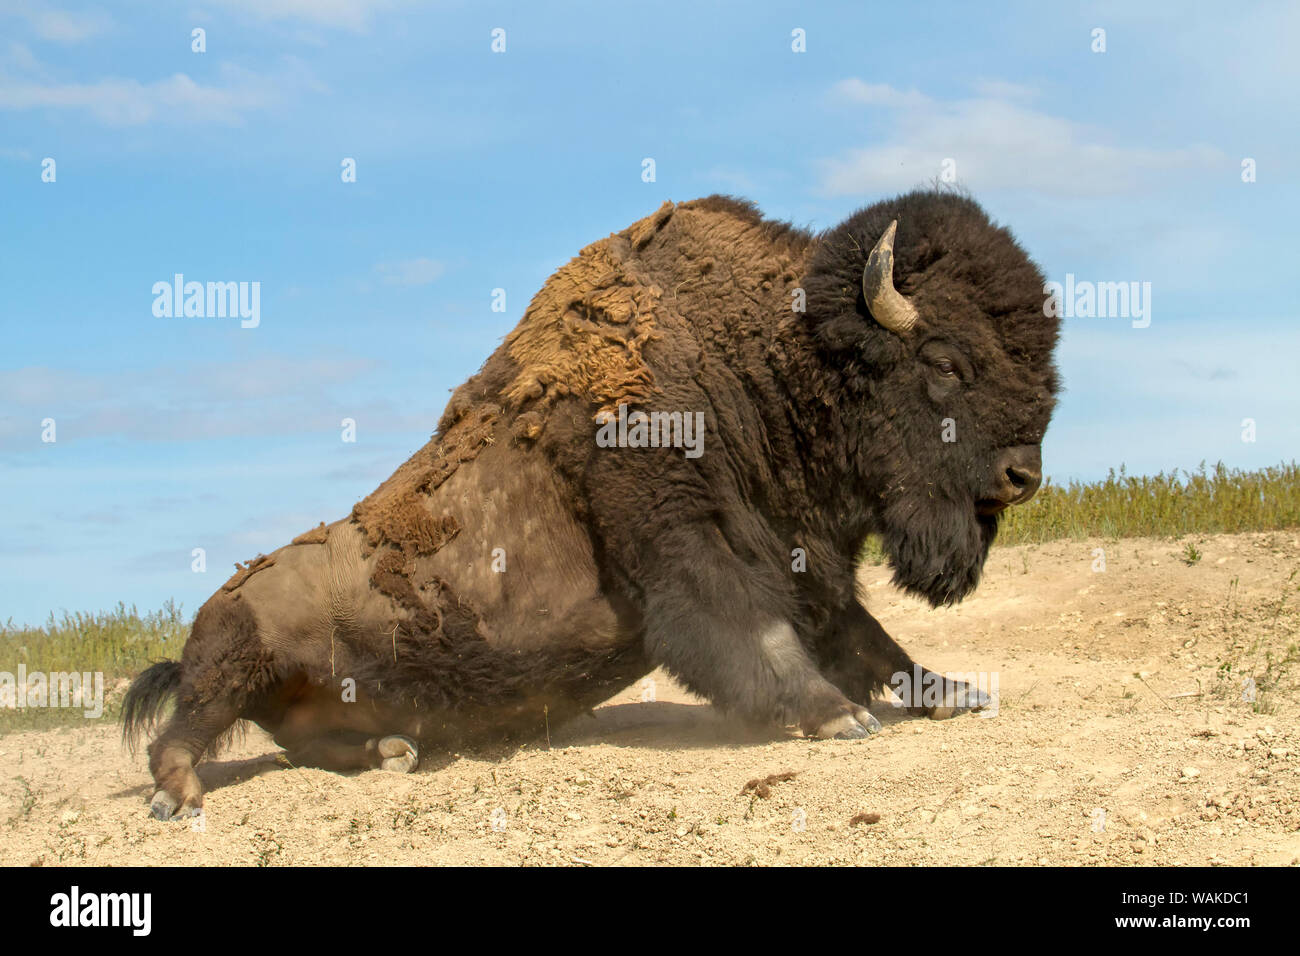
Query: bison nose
x=1019 y=472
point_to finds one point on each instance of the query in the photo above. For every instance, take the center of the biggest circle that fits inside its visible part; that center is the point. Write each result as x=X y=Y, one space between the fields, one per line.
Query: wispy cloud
x=19 y=58
x=353 y=15
x=177 y=99
x=262 y=396
x=730 y=177
x=996 y=140
x=1206 y=373
x=410 y=272
x=57 y=26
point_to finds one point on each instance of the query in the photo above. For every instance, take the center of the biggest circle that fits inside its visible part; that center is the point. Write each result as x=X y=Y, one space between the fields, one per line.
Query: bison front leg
x=722 y=628
x=862 y=659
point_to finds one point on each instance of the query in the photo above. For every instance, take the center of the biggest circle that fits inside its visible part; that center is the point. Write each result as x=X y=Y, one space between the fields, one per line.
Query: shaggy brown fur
x=584 y=332
x=514 y=571
x=394 y=514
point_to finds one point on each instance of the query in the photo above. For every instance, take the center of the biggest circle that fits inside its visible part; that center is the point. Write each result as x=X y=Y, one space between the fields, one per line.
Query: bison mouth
x=990 y=507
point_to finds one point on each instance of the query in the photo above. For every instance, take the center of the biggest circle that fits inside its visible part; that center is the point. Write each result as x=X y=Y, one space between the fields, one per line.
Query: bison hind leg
x=179 y=794
x=222 y=677
x=173 y=755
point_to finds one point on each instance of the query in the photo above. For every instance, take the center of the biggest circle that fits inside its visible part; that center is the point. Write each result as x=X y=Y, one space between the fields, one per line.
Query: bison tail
x=146 y=698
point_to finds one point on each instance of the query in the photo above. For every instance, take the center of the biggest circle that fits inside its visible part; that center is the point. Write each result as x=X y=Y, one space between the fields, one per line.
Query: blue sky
x=479 y=170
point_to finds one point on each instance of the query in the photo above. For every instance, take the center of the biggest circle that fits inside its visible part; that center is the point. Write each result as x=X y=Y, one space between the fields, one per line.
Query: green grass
x=1222 y=501
x=119 y=643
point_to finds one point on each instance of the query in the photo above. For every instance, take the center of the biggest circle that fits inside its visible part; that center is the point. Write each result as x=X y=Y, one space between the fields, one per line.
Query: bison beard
x=513 y=571
x=937 y=549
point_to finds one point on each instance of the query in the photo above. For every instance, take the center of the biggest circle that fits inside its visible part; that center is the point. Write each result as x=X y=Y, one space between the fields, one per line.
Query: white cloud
x=57 y=26
x=116 y=101
x=123 y=102
x=36 y=385
x=855 y=90
x=269 y=395
x=996 y=141
x=410 y=272
x=354 y=15
x=1002 y=90
x=18 y=56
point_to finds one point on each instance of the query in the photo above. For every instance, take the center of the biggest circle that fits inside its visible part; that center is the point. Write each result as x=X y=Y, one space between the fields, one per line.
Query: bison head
x=931 y=320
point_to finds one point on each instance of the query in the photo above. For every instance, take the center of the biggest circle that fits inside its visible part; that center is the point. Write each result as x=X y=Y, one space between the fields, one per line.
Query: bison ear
x=888 y=307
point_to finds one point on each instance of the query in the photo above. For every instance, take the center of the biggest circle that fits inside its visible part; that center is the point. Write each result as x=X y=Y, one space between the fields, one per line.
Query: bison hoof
x=853 y=726
x=163 y=807
x=400 y=754
x=959 y=699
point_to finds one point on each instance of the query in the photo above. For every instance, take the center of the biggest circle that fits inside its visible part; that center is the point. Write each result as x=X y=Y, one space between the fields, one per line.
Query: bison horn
x=887 y=305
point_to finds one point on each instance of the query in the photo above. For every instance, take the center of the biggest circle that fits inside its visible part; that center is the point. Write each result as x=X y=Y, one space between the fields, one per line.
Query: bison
x=673 y=460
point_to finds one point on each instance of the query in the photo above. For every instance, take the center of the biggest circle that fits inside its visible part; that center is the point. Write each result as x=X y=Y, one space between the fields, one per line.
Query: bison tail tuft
x=146 y=698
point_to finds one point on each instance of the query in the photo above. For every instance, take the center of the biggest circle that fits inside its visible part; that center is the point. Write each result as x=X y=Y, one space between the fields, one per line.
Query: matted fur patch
x=318 y=535
x=245 y=571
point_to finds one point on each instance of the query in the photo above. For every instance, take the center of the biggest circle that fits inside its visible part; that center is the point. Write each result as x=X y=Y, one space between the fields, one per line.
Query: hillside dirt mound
x=1125 y=734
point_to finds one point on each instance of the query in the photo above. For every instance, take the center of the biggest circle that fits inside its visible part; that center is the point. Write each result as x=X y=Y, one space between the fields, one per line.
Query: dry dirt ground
x=1121 y=737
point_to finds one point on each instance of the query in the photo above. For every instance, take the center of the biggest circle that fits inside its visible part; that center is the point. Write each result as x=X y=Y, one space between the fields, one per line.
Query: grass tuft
x=118 y=643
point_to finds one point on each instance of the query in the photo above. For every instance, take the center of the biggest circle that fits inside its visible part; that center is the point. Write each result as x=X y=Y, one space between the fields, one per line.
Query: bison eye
x=947 y=363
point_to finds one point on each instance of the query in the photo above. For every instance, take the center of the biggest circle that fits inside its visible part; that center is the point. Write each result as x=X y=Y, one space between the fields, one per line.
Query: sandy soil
x=1121 y=737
